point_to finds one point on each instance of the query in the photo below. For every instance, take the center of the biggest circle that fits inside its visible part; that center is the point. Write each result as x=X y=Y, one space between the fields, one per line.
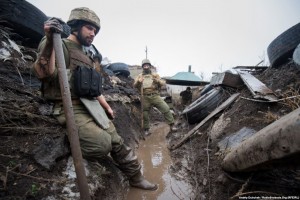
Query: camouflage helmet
x=84 y=14
x=146 y=61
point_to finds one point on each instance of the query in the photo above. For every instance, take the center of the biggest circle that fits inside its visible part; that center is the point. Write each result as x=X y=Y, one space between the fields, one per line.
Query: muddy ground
x=26 y=123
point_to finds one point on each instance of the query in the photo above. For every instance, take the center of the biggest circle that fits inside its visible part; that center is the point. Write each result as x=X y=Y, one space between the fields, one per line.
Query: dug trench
x=35 y=156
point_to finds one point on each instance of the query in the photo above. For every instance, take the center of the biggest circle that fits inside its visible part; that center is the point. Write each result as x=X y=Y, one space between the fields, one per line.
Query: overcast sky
x=209 y=35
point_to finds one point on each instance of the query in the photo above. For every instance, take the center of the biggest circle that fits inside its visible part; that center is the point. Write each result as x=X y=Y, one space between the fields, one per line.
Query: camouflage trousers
x=95 y=142
x=156 y=101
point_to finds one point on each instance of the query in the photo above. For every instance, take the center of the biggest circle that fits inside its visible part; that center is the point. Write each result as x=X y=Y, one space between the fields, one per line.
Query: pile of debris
x=248 y=137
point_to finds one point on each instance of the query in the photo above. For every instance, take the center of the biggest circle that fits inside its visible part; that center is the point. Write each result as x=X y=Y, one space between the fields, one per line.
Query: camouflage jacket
x=74 y=56
x=152 y=83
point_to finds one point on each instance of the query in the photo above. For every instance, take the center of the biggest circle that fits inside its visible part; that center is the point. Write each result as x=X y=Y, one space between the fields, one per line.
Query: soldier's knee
x=96 y=144
x=96 y=151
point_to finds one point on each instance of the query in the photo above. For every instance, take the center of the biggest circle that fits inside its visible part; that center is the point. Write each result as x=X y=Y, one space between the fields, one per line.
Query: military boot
x=130 y=166
x=147 y=132
x=139 y=181
x=173 y=128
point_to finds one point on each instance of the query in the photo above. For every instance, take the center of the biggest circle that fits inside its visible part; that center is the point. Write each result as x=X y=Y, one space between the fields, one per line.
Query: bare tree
x=264 y=61
x=221 y=68
x=201 y=75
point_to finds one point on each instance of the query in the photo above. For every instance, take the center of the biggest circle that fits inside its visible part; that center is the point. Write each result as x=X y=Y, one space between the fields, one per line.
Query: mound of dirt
x=28 y=130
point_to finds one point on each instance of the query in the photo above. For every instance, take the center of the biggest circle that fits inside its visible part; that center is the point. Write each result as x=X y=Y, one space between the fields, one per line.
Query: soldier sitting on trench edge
x=98 y=137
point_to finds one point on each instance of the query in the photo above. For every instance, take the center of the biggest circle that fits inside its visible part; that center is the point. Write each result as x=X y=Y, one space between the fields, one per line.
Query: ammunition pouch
x=87 y=82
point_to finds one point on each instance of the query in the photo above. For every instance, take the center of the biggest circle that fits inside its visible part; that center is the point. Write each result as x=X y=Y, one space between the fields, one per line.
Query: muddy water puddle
x=155 y=159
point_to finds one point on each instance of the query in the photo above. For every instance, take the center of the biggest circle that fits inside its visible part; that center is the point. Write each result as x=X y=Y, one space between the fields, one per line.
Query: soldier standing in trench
x=150 y=83
x=98 y=137
x=186 y=97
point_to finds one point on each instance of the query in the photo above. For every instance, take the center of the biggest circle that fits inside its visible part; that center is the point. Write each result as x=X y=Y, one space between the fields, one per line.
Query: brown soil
x=26 y=121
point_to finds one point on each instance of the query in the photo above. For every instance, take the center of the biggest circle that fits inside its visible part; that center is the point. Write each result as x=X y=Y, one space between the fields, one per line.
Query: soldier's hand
x=53 y=25
x=156 y=80
x=111 y=113
x=141 y=79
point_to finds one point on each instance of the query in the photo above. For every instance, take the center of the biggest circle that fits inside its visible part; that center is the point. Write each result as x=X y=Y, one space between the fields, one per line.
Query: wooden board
x=258 y=89
x=277 y=140
x=216 y=111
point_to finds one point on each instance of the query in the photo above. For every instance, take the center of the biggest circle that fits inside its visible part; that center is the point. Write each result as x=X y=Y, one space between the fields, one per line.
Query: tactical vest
x=148 y=85
x=74 y=57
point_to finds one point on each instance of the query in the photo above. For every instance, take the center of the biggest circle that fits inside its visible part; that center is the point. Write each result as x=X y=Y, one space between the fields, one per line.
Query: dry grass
x=269 y=116
x=5 y=31
x=291 y=98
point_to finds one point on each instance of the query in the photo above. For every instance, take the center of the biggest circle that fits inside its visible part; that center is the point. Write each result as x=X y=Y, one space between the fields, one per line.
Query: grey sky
x=209 y=35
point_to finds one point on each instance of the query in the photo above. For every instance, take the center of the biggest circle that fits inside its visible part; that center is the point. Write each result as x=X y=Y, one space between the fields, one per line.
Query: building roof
x=184 y=78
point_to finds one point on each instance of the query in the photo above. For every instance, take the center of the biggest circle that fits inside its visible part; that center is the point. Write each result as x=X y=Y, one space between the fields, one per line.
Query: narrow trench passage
x=155 y=159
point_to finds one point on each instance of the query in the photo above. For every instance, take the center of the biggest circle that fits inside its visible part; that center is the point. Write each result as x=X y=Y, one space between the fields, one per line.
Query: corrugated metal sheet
x=258 y=89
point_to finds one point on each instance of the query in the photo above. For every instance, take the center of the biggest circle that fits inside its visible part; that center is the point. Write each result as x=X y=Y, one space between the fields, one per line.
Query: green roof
x=185 y=76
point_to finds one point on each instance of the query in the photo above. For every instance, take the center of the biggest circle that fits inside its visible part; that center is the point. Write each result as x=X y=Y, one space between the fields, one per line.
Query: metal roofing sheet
x=185 y=76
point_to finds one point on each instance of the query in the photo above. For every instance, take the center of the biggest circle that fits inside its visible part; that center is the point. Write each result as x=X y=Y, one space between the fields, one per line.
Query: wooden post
x=142 y=108
x=146 y=50
x=273 y=143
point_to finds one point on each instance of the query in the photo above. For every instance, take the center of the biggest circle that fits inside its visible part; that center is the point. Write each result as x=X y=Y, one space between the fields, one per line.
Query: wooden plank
x=258 y=89
x=252 y=69
x=276 y=141
x=213 y=113
x=265 y=101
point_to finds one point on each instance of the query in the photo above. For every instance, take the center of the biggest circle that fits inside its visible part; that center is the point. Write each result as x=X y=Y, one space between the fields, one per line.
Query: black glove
x=55 y=24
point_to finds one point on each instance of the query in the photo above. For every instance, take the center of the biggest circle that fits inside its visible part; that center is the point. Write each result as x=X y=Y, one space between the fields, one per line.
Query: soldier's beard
x=83 y=41
x=147 y=71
